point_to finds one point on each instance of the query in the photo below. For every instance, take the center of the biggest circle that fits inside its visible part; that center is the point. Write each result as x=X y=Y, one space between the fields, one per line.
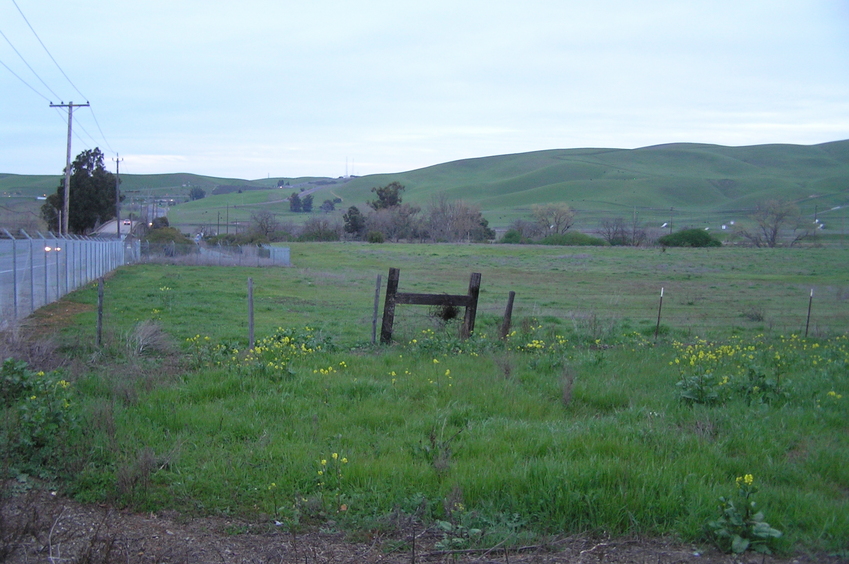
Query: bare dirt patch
x=40 y=526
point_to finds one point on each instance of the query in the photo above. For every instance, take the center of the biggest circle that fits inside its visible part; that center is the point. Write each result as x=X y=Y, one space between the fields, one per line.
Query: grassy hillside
x=692 y=184
x=704 y=181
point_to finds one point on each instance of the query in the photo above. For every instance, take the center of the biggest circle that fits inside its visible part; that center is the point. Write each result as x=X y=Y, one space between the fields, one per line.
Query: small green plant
x=700 y=387
x=457 y=536
x=762 y=380
x=39 y=411
x=330 y=479
x=741 y=526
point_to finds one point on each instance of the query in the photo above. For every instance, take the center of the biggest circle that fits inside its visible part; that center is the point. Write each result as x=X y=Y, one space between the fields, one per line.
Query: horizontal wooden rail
x=432 y=299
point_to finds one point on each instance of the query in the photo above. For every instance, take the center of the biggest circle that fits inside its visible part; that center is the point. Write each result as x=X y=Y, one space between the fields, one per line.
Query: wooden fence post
x=389 y=306
x=472 y=308
x=808 y=320
x=508 y=316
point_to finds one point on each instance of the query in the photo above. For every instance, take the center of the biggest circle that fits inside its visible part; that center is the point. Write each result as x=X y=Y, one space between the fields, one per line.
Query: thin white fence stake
x=659 y=307
x=251 y=312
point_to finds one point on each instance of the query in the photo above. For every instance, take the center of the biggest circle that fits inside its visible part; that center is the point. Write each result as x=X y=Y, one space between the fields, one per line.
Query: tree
x=197 y=193
x=527 y=230
x=294 y=202
x=306 y=203
x=264 y=224
x=397 y=222
x=554 y=218
x=319 y=229
x=355 y=221
x=388 y=196
x=92 y=194
x=772 y=217
x=327 y=206
x=617 y=232
x=456 y=221
x=613 y=231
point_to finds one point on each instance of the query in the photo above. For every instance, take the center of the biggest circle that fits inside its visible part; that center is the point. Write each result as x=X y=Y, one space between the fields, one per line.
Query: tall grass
x=575 y=424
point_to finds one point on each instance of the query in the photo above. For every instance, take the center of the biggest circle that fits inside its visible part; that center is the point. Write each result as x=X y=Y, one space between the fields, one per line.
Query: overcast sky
x=255 y=88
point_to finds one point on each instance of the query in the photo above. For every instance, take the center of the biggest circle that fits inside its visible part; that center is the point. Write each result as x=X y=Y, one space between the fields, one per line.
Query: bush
x=573 y=239
x=375 y=237
x=168 y=235
x=513 y=237
x=37 y=413
x=319 y=229
x=690 y=238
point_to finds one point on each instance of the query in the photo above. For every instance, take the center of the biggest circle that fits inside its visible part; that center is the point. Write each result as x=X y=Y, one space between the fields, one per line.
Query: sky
x=260 y=88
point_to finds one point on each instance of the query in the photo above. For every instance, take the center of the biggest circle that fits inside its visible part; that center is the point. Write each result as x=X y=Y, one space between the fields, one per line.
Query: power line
x=47 y=51
x=26 y=63
x=24 y=81
x=111 y=150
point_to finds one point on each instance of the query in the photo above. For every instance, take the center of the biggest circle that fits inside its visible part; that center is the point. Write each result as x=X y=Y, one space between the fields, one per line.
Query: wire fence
x=40 y=269
x=215 y=255
x=686 y=307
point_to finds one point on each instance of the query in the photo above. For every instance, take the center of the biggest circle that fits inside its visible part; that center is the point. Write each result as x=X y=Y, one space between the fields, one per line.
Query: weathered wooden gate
x=393 y=297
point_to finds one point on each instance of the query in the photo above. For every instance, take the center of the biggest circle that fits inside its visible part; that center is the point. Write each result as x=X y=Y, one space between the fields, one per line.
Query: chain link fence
x=39 y=269
x=215 y=255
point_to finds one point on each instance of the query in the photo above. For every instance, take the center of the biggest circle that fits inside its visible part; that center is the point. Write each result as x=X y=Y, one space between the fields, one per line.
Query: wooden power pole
x=118 y=160
x=65 y=207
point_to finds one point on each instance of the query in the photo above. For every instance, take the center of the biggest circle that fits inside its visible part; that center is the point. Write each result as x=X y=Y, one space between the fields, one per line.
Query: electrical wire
x=47 y=51
x=27 y=64
x=108 y=146
x=24 y=81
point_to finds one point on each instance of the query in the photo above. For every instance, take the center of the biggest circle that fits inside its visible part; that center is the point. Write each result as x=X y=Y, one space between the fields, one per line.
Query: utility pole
x=118 y=192
x=66 y=207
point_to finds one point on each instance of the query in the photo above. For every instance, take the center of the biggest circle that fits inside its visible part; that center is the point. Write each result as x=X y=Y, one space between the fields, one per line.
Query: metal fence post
x=31 y=273
x=14 y=275
x=44 y=250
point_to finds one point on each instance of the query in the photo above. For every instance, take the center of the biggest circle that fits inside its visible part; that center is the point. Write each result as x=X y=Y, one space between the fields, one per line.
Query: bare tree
x=554 y=218
x=264 y=223
x=771 y=219
x=456 y=221
x=396 y=222
x=528 y=229
x=320 y=229
x=613 y=231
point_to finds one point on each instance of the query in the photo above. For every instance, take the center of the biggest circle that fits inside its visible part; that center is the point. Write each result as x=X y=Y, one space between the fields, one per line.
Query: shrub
x=513 y=237
x=319 y=229
x=37 y=412
x=690 y=238
x=375 y=237
x=168 y=235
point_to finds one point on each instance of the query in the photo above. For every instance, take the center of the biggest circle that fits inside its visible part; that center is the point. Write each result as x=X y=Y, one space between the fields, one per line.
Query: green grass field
x=579 y=422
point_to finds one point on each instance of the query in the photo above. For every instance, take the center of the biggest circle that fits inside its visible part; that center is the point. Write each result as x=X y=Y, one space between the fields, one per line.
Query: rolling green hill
x=693 y=184
x=696 y=180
